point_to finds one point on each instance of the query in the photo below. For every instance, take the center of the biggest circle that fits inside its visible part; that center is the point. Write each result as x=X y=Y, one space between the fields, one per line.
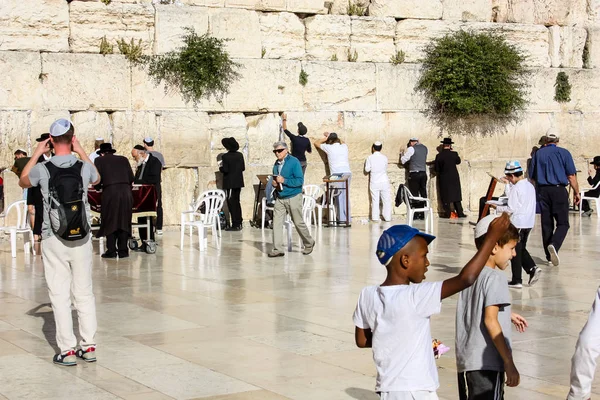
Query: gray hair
x=280 y=144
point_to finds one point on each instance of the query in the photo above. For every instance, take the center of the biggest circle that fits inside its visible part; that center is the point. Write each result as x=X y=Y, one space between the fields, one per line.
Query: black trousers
x=481 y=385
x=117 y=242
x=417 y=184
x=143 y=233
x=159 y=209
x=554 y=202
x=457 y=207
x=234 y=206
x=522 y=258
x=585 y=205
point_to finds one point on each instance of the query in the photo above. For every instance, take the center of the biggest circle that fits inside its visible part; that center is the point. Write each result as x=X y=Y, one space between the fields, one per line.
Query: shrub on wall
x=473 y=81
x=562 y=88
x=200 y=69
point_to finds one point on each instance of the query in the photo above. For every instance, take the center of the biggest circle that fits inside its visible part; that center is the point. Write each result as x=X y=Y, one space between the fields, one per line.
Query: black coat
x=232 y=168
x=117 y=200
x=152 y=172
x=594 y=181
x=447 y=176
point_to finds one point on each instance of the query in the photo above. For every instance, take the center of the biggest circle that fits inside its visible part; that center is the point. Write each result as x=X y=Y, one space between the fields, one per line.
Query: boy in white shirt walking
x=521 y=206
x=393 y=318
x=379 y=183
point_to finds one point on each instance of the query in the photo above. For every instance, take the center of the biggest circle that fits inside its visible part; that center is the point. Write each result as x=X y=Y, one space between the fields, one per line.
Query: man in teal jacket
x=288 y=180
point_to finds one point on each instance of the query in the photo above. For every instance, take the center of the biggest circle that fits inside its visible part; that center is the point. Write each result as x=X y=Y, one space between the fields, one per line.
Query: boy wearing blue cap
x=393 y=318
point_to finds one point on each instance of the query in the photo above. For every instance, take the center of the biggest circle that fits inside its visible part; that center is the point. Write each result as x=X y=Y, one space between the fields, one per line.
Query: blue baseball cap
x=395 y=238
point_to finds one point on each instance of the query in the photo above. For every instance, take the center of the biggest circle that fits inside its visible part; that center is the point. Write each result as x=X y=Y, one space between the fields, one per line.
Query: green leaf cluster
x=562 y=88
x=201 y=68
x=398 y=58
x=303 y=77
x=106 y=47
x=358 y=9
x=473 y=74
x=132 y=50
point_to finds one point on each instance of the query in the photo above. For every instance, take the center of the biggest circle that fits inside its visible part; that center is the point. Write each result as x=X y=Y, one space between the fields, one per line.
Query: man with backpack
x=66 y=239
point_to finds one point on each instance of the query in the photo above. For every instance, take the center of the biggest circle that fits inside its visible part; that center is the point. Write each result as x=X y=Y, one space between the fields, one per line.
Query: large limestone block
x=399 y=127
x=328 y=36
x=566 y=46
x=541 y=90
x=179 y=189
x=412 y=36
x=395 y=87
x=41 y=120
x=261 y=5
x=467 y=10
x=91 y=21
x=282 y=35
x=20 y=86
x=585 y=89
x=338 y=7
x=12 y=192
x=83 y=81
x=266 y=85
x=373 y=38
x=224 y=125
x=241 y=26
x=414 y=9
x=34 y=25
x=340 y=86
x=184 y=138
x=263 y=131
x=90 y=125
x=543 y=12
x=14 y=134
x=131 y=127
x=171 y=23
x=361 y=130
x=306 y=6
x=593 y=44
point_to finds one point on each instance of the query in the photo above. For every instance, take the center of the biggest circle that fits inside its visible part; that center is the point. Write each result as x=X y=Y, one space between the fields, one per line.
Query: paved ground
x=233 y=324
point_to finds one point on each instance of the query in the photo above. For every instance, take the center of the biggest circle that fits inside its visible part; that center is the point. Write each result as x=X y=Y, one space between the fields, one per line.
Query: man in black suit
x=117 y=201
x=232 y=166
x=148 y=172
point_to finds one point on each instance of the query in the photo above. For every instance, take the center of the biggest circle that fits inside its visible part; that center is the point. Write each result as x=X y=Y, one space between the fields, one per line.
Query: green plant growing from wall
x=473 y=82
x=398 y=58
x=132 y=50
x=107 y=2
x=334 y=57
x=562 y=88
x=263 y=51
x=200 y=69
x=358 y=9
x=106 y=47
x=303 y=78
x=352 y=56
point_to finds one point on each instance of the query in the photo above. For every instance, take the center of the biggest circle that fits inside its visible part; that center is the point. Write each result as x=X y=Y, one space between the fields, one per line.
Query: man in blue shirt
x=288 y=180
x=553 y=169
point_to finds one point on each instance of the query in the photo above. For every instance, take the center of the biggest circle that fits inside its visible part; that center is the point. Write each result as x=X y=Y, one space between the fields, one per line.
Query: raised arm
x=318 y=142
x=24 y=181
x=468 y=275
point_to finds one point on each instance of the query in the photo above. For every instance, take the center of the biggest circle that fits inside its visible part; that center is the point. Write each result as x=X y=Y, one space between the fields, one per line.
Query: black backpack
x=68 y=218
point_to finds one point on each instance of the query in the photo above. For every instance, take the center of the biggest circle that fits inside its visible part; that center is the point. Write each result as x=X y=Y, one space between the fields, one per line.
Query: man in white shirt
x=379 y=183
x=93 y=155
x=521 y=206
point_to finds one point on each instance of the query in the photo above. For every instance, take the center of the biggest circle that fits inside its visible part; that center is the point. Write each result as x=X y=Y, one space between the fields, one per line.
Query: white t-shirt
x=337 y=157
x=376 y=165
x=93 y=155
x=398 y=316
x=521 y=204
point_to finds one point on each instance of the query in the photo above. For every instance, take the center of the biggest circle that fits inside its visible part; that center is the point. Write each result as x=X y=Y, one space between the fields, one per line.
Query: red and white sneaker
x=87 y=355
x=67 y=359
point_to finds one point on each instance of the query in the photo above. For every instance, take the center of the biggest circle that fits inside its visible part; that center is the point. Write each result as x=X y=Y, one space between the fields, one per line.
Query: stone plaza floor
x=232 y=324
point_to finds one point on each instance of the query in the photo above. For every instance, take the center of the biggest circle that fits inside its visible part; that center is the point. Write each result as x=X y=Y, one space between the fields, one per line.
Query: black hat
x=302 y=130
x=447 y=141
x=596 y=161
x=106 y=148
x=230 y=144
x=139 y=147
x=43 y=136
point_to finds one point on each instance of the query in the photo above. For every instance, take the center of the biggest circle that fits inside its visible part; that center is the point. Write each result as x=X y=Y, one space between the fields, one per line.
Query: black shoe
x=515 y=285
x=234 y=228
x=462 y=216
x=123 y=254
x=109 y=255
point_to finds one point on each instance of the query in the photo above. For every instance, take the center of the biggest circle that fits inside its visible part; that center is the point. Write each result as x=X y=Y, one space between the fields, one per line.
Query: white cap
x=483 y=225
x=552 y=133
x=414 y=139
x=60 y=127
x=98 y=139
x=378 y=143
x=148 y=140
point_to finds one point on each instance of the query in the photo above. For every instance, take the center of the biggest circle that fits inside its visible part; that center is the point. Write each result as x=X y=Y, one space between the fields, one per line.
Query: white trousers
x=587 y=350
x=416 y=395
x=68 y=269
x=383 y=192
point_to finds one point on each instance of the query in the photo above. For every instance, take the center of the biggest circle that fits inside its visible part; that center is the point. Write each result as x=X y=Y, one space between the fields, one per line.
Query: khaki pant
x=68 y=269
x=292 y=206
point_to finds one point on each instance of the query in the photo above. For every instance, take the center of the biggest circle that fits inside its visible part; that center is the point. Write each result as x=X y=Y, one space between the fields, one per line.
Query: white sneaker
x=553 y=255
x=534 y=276
x=159 y=232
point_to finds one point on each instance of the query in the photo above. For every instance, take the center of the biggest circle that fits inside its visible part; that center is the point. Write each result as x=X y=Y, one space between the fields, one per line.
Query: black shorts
x=481 y=385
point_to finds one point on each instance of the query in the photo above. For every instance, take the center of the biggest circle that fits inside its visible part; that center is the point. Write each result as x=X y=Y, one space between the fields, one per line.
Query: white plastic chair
x=316 y=191
x=210 y=219
x=589 y=198
x=308 y=207
x=410 y=212
x=196 y=205
x=264 y=207
x=21 y=227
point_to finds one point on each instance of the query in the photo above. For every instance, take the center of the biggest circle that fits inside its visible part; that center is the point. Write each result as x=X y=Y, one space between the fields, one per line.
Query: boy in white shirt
x=521 y=206
x=393 y=318
x=379 y=183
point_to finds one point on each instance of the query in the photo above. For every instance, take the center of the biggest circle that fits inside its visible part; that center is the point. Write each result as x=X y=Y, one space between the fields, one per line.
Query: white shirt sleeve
x=358 y=317
x=407 y=155
x=427 y=298
x=514 y=202
x=368 y=164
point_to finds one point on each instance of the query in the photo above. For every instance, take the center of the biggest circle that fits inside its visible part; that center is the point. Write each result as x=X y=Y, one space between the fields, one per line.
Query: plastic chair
x=410 y=212
x=196 y=205
x=210 y=219
x=264 y=207
x=316 y=191
x=21 y=227
x=589 y=198
x=308 y=207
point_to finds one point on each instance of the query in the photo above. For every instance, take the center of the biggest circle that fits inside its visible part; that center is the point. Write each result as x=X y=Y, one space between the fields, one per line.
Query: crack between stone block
x=355 y=97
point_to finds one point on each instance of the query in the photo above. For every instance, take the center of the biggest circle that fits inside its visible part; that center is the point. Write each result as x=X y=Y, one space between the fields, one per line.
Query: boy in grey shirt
x=483 y=324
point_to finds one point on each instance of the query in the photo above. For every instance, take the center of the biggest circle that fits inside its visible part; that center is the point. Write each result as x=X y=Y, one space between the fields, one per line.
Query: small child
x=393 y=318
x=483 y=322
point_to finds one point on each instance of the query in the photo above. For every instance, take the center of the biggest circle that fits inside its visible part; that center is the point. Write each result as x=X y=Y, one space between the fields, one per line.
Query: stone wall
x=51 y=68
